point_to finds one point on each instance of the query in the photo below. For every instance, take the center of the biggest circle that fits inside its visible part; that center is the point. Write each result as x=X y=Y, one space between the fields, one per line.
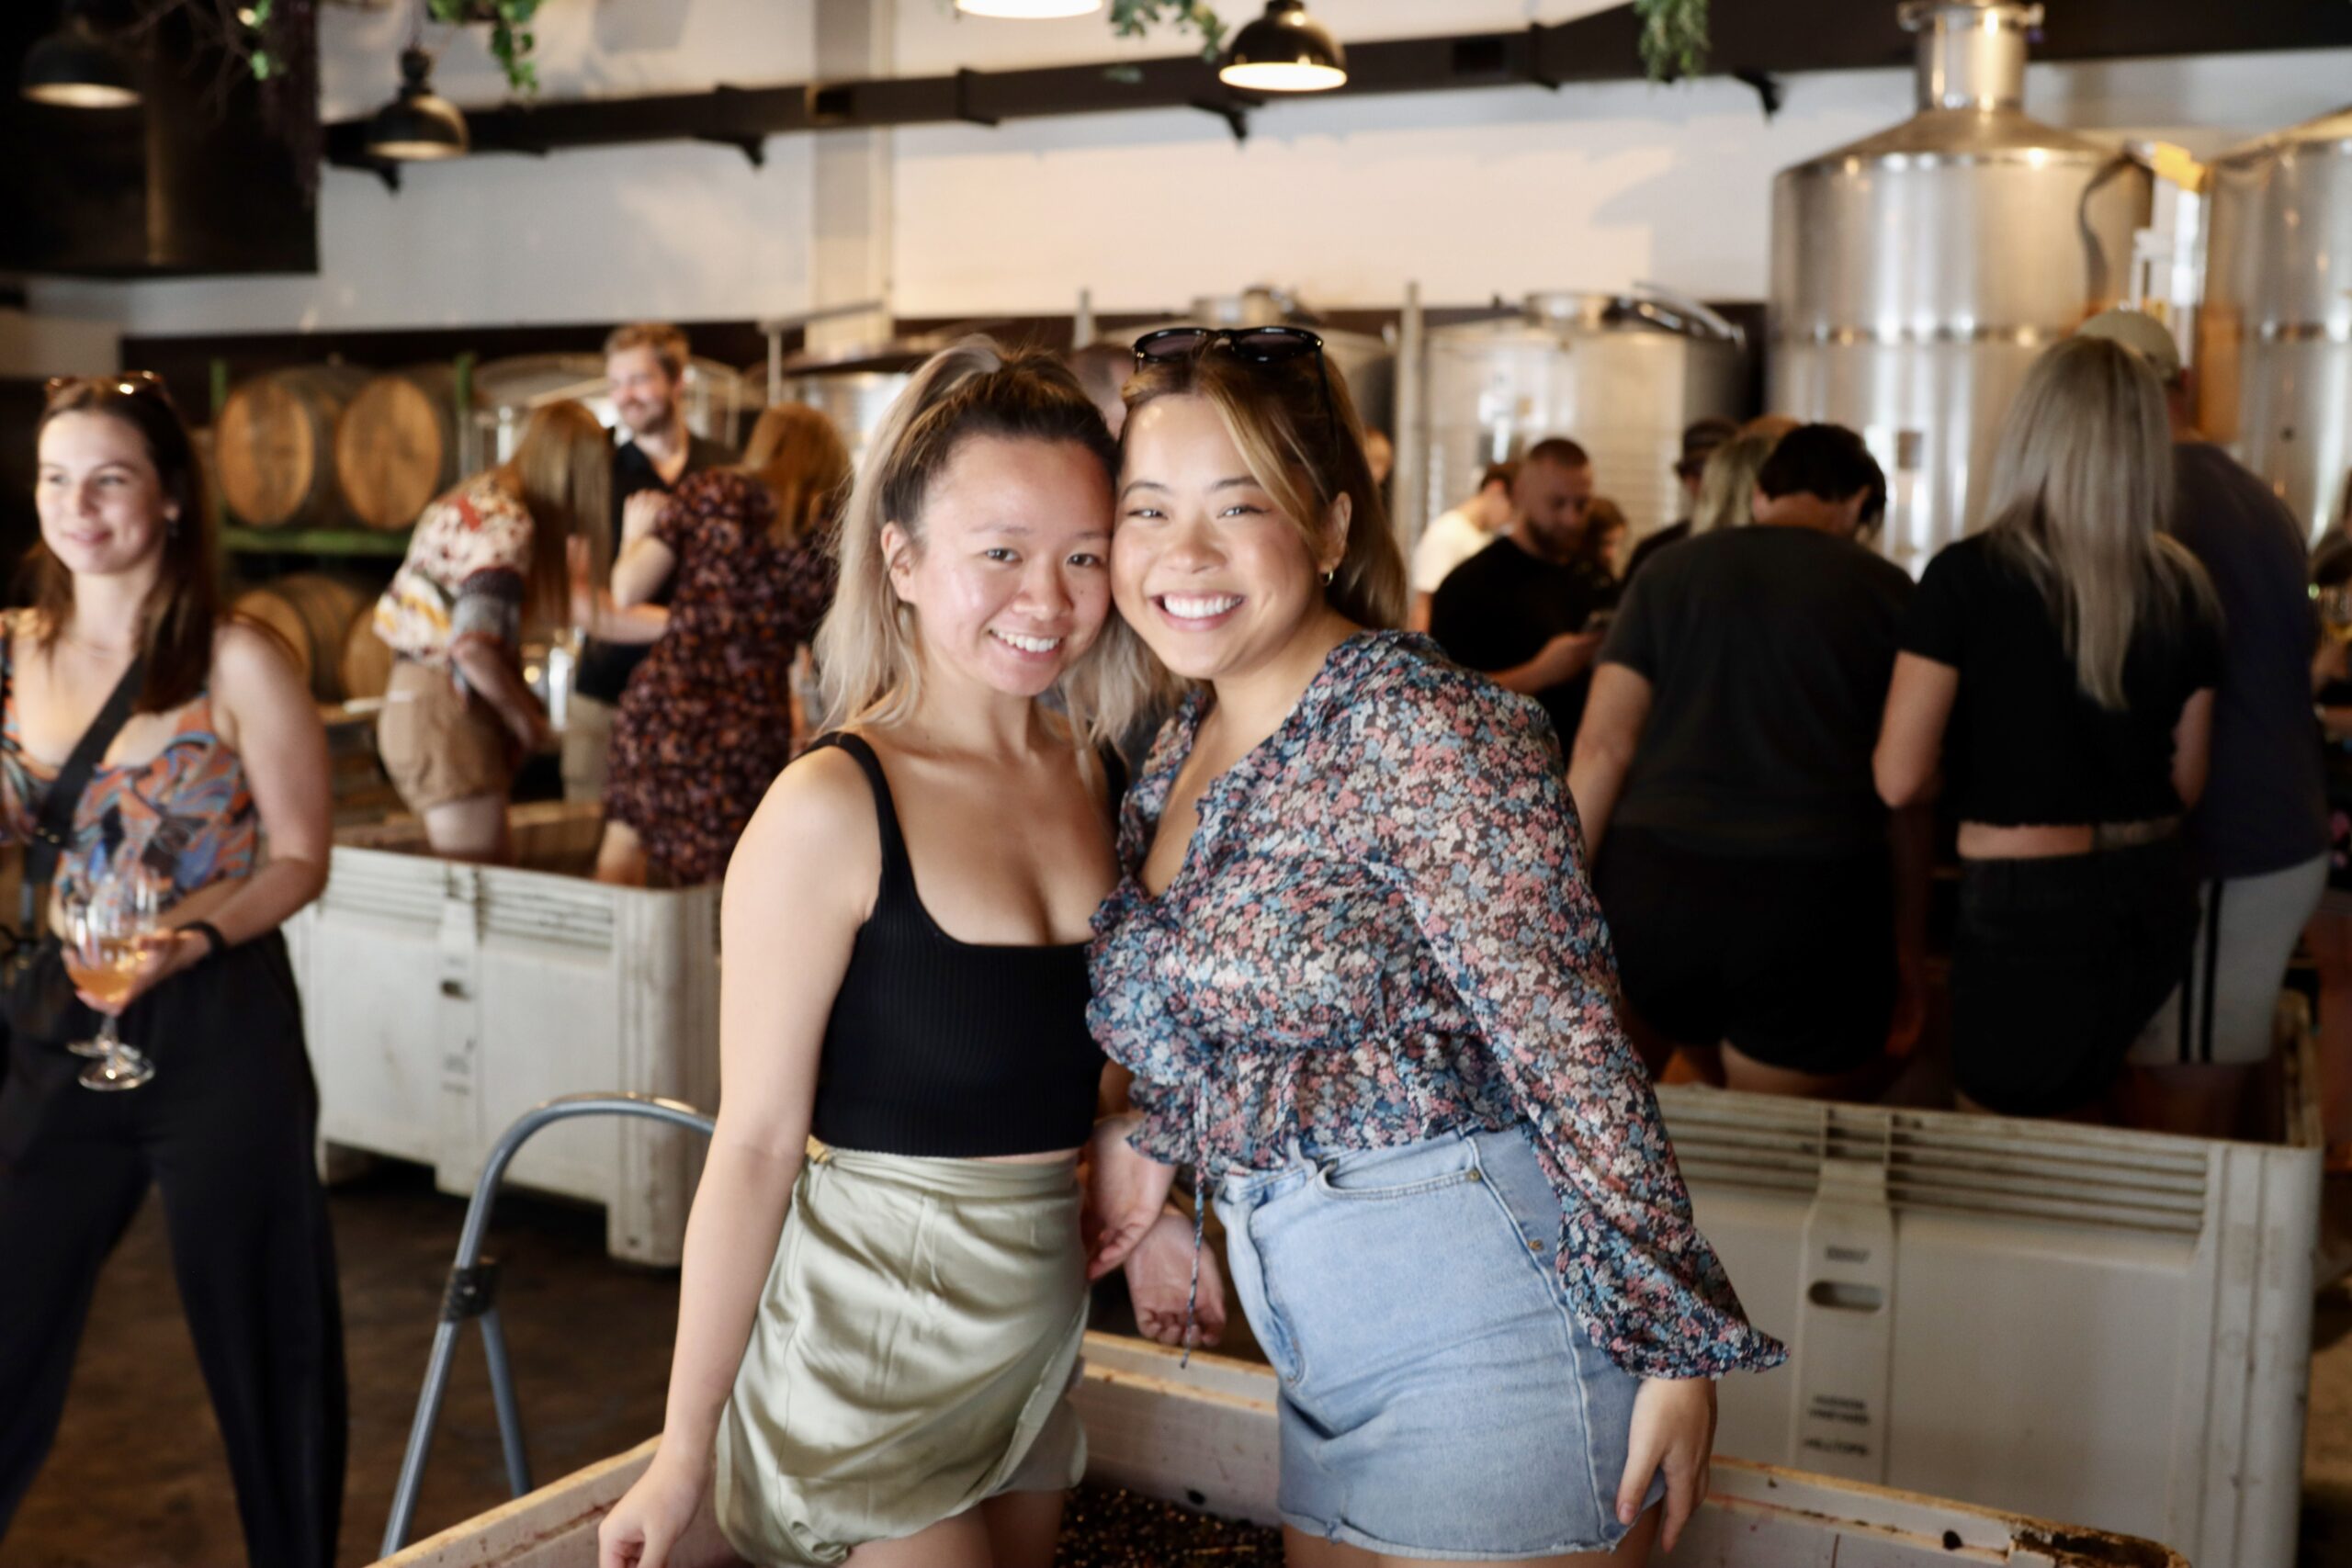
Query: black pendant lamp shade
x=419 y=125
x=77 y=68
x=1285 y=50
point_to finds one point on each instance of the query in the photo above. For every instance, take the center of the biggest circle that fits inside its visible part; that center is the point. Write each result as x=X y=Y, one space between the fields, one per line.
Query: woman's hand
x=647 y=1522
x=1674 y=1430
x=1159 y=1283
x=164 y=955
x=1124 y=1194
x=640 y=511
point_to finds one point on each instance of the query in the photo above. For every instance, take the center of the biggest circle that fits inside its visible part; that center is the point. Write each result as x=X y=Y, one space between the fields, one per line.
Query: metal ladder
x=473 y=1293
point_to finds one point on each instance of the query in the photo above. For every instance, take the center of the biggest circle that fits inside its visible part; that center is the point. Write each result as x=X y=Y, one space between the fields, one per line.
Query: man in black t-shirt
x=645 y=364
x=1723 y=782
x=1520 y=610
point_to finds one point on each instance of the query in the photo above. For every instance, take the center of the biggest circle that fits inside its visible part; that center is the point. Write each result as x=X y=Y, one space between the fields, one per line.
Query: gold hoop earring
x=1331 y=576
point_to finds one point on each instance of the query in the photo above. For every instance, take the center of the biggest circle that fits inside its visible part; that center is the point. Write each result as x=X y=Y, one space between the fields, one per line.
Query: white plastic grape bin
x=1206 y=1435
x=442 y=1001
x=2069 y=1322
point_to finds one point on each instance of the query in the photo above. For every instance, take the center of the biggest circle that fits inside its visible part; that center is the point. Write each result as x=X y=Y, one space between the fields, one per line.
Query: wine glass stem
x=111 y=1037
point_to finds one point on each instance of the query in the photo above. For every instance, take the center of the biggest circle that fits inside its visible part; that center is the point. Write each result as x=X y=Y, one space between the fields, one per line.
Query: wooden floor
x=137 y=1480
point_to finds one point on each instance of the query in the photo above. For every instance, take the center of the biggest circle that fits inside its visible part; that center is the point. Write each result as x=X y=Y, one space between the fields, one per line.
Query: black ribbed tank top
x=950 y=1049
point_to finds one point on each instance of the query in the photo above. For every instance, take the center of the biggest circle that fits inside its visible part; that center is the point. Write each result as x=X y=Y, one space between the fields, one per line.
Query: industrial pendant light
x=1285 y=50
x=1029 y=10
x=419 y=125
x=77 y=68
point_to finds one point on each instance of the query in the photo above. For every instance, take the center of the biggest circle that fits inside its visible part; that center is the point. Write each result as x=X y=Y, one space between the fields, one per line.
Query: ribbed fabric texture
x=943 y=1048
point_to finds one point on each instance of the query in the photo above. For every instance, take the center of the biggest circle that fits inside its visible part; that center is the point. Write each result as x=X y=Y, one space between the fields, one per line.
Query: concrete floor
x=138 y=1480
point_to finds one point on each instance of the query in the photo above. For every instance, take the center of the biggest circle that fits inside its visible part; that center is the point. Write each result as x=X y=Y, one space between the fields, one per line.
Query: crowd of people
x=1385 y=940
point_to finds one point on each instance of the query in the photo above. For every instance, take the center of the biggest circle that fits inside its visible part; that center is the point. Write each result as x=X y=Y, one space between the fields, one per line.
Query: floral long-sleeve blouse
x=1382 y=932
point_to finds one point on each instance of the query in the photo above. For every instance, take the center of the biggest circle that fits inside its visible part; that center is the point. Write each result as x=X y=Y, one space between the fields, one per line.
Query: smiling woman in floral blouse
x=1357 y=969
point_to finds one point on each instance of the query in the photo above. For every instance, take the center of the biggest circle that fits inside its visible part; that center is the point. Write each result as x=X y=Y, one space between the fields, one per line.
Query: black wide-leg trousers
x=225 y=1132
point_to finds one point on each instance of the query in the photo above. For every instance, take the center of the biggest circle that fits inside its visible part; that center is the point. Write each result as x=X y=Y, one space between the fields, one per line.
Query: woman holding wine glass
x=169 y=762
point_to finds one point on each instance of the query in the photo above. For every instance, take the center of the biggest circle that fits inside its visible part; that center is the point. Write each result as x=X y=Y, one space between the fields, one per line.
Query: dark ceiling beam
x=1755 y=42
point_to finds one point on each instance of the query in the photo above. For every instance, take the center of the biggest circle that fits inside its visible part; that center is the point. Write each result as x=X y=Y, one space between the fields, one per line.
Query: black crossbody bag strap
x=53 y=824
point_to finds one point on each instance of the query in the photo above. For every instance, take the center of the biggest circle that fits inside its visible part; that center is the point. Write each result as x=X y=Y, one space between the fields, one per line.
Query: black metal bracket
x=1234 y=109
x=1768 y=88
x=737 y=127
x=754 y=148
x=965 y=79
x=386 y=171
x=472 y=1291
x=1535 y=71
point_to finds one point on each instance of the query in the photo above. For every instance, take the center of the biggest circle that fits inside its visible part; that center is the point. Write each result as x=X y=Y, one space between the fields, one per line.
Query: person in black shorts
x=2057 y=680
x=1723 y=776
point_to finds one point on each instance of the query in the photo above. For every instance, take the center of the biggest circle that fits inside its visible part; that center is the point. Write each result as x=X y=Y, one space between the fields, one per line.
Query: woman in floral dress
x=705 y=724
x=1364 y=987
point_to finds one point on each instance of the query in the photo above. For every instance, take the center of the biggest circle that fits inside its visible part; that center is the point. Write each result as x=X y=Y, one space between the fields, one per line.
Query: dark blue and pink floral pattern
x=1383 y=931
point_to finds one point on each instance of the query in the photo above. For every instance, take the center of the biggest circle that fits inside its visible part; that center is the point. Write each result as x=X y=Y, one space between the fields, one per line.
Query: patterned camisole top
x=186 y=813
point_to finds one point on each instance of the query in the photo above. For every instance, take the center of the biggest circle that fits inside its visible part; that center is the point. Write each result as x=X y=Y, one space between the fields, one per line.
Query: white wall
x=680 y=231
x=1473 y=194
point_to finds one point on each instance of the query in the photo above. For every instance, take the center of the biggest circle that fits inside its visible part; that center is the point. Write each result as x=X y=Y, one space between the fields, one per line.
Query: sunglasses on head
x=127 y=384
x=1251 y=345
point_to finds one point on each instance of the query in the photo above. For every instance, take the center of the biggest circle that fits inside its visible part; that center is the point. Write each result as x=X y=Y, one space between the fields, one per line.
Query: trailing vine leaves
x=1132 y=18
x=1674 y=38
x=510 y=39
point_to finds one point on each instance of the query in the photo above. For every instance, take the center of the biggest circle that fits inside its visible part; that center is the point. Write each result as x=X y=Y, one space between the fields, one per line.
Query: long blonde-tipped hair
x=2081 y=498
x=1727 y=484
x=562 y=473
x=797 y=454
x=1276 y=417
x=869 y=649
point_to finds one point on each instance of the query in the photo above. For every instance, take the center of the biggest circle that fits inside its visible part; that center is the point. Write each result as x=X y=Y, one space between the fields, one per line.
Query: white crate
x=2078 y=1323
x=442 y=1001
x=1206 y=1435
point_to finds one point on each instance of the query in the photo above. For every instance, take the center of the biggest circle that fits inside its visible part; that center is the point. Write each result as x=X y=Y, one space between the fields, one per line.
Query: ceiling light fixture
x=1285 y=50
x=75 y=67
x=419 y=126
x=1029 y=10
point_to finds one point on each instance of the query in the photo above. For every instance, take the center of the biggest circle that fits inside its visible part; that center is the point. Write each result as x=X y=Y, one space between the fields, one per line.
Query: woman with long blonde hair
x=705 y=724
x=876 y=1339
x=2056 y=684
x=492 y=557
x=1727 y=484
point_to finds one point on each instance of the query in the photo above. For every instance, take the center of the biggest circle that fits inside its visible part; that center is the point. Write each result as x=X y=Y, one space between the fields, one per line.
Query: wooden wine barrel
x=396 y=445
x=367 y=662
x=273 y=447
x=312 y=614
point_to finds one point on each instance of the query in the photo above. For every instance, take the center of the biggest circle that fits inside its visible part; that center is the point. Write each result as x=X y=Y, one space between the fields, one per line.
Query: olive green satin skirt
x=913 y=1354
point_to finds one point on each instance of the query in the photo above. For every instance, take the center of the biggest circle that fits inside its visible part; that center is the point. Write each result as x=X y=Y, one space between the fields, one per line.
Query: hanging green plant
x=1674 y=38
x=510 y=39
x=1133 y=18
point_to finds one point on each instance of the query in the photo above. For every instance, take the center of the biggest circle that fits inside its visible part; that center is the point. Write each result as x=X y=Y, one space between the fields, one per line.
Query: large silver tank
x=1916 y=274
x=1366 y=361
x=853 y=388
x=1619 y=374
x=2274 y=357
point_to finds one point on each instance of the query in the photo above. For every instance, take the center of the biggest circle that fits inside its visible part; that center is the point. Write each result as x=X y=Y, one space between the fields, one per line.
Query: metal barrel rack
x=473 y=1293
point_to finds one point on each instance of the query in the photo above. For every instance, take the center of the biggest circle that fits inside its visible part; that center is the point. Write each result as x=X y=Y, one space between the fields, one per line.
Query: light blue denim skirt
x=1439 y=1399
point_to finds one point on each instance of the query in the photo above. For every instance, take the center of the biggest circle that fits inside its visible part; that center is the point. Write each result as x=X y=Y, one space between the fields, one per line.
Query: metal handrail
x=473 y=1293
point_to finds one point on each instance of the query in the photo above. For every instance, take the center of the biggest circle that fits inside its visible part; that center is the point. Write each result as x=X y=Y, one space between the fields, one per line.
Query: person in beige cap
x=2259 y=836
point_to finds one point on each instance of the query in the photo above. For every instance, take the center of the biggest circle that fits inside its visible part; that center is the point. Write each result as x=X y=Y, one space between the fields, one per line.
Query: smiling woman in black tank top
x=905 y=998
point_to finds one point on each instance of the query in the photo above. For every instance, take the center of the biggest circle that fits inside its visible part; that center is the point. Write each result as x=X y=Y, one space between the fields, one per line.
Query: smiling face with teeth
x=1008 y=573
x=1208 y=568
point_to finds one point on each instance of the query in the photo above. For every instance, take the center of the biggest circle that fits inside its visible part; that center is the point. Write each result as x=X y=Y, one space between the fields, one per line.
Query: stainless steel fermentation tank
x=1916 y=274
x=2273 y=357
x=1621 y=374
